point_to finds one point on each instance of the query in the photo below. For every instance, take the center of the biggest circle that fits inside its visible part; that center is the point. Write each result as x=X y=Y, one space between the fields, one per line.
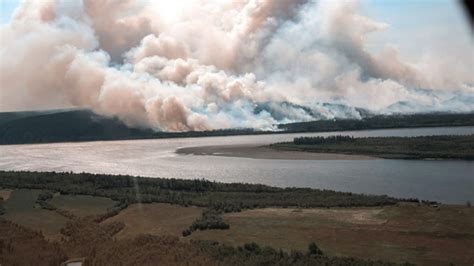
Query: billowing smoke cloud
x=201 y=65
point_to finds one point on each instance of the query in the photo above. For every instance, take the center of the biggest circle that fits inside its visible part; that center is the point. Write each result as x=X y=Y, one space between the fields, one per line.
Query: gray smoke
x=201 y=65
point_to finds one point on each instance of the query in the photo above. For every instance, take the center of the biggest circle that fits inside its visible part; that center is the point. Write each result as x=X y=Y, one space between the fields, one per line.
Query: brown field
x=20 y=246
x=418 y=234
x=21 y=209
x=94 y=243
x=405 y=233
x=155 y=219
x=5 y=194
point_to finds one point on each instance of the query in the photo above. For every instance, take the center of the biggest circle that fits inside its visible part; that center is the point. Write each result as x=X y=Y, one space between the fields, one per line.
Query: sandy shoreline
x=264 y=152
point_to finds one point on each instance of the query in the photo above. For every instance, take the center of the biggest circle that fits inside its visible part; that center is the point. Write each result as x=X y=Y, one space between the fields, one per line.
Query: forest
x=225 y=197
x=83 y=125
x=383 y=121
x=421 y=147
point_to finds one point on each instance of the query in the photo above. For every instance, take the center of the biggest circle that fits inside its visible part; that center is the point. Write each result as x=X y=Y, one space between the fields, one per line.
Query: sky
x=199 y=65
x=435 y=21
x=6 y=9
x=400 y=14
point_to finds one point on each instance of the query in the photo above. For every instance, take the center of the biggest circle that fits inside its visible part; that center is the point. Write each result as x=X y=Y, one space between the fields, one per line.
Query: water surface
x=445 y=181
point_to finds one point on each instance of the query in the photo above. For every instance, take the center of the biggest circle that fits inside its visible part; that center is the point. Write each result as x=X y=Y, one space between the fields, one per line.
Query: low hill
x=84 y=125
x=68 y=125
x=383 y=121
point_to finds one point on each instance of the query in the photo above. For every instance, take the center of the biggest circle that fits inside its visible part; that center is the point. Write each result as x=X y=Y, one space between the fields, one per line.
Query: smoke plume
x=203 y=65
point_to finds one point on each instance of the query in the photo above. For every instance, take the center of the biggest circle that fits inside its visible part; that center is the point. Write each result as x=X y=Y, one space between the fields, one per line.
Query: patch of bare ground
x=354 y=216
x=5 y=194
x=419 y=234
x=154 y=219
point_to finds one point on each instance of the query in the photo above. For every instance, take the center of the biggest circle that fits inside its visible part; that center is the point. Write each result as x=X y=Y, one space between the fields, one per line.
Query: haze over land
x=203 y=65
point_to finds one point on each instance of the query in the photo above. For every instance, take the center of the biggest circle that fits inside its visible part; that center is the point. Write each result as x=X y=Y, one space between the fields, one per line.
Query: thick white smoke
x=200 y=65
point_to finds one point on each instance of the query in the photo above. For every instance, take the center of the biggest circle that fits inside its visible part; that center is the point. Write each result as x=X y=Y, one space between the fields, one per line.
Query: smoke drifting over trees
x=203 y=65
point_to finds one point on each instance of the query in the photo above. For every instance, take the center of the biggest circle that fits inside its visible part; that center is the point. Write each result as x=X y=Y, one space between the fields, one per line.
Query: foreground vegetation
x=420 y=234
x=432 y=147
x=224 y=197
x=95 y=244
x=93 y=237
x=2 y=207
x=73 y=213
x=211 y=219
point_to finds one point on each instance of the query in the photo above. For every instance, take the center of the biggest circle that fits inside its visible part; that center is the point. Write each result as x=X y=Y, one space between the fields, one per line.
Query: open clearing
x=418 y=234
x=21 y=209
x=155 y=219
x=82 y=205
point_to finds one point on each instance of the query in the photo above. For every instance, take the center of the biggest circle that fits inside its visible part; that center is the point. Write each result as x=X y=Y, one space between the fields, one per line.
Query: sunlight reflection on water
x=445 y=181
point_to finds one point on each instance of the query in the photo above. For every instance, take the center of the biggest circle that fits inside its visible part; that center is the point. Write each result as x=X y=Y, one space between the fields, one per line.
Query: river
x=444 y=181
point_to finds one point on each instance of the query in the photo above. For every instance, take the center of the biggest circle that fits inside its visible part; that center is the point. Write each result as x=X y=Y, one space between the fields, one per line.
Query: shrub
x=314 y=249
x=45 y=196
x=2 y=208
x=322 y=140
x=187 y=232
x=252 y=247
x=210 y=219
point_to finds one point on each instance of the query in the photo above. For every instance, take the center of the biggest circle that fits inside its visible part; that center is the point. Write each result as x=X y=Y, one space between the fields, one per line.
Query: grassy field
x=405 y=232
x=82 y=205
x=426 y=147
x=418 y=234
x=21 y=209
x=399 y=232
x=155 y=219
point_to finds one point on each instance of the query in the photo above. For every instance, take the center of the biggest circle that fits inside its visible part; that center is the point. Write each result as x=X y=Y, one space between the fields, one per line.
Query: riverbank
x=423 y=147
x=265 y=152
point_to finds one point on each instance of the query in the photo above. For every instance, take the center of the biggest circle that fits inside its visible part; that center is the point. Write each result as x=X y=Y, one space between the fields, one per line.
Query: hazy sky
x=439 y=19
x=206 y=64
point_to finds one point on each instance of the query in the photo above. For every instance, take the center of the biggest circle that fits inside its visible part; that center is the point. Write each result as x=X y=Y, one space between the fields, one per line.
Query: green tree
x=314 y=249
x=2 y=208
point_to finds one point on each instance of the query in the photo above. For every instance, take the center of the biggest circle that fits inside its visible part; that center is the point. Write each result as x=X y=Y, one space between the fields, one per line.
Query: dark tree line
x=254 y=254
x=83 y=125
x=322 y=140
x=383 y=121
x=222 y=197
x=420 y=147
x=210 y=219
x=2 y=207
